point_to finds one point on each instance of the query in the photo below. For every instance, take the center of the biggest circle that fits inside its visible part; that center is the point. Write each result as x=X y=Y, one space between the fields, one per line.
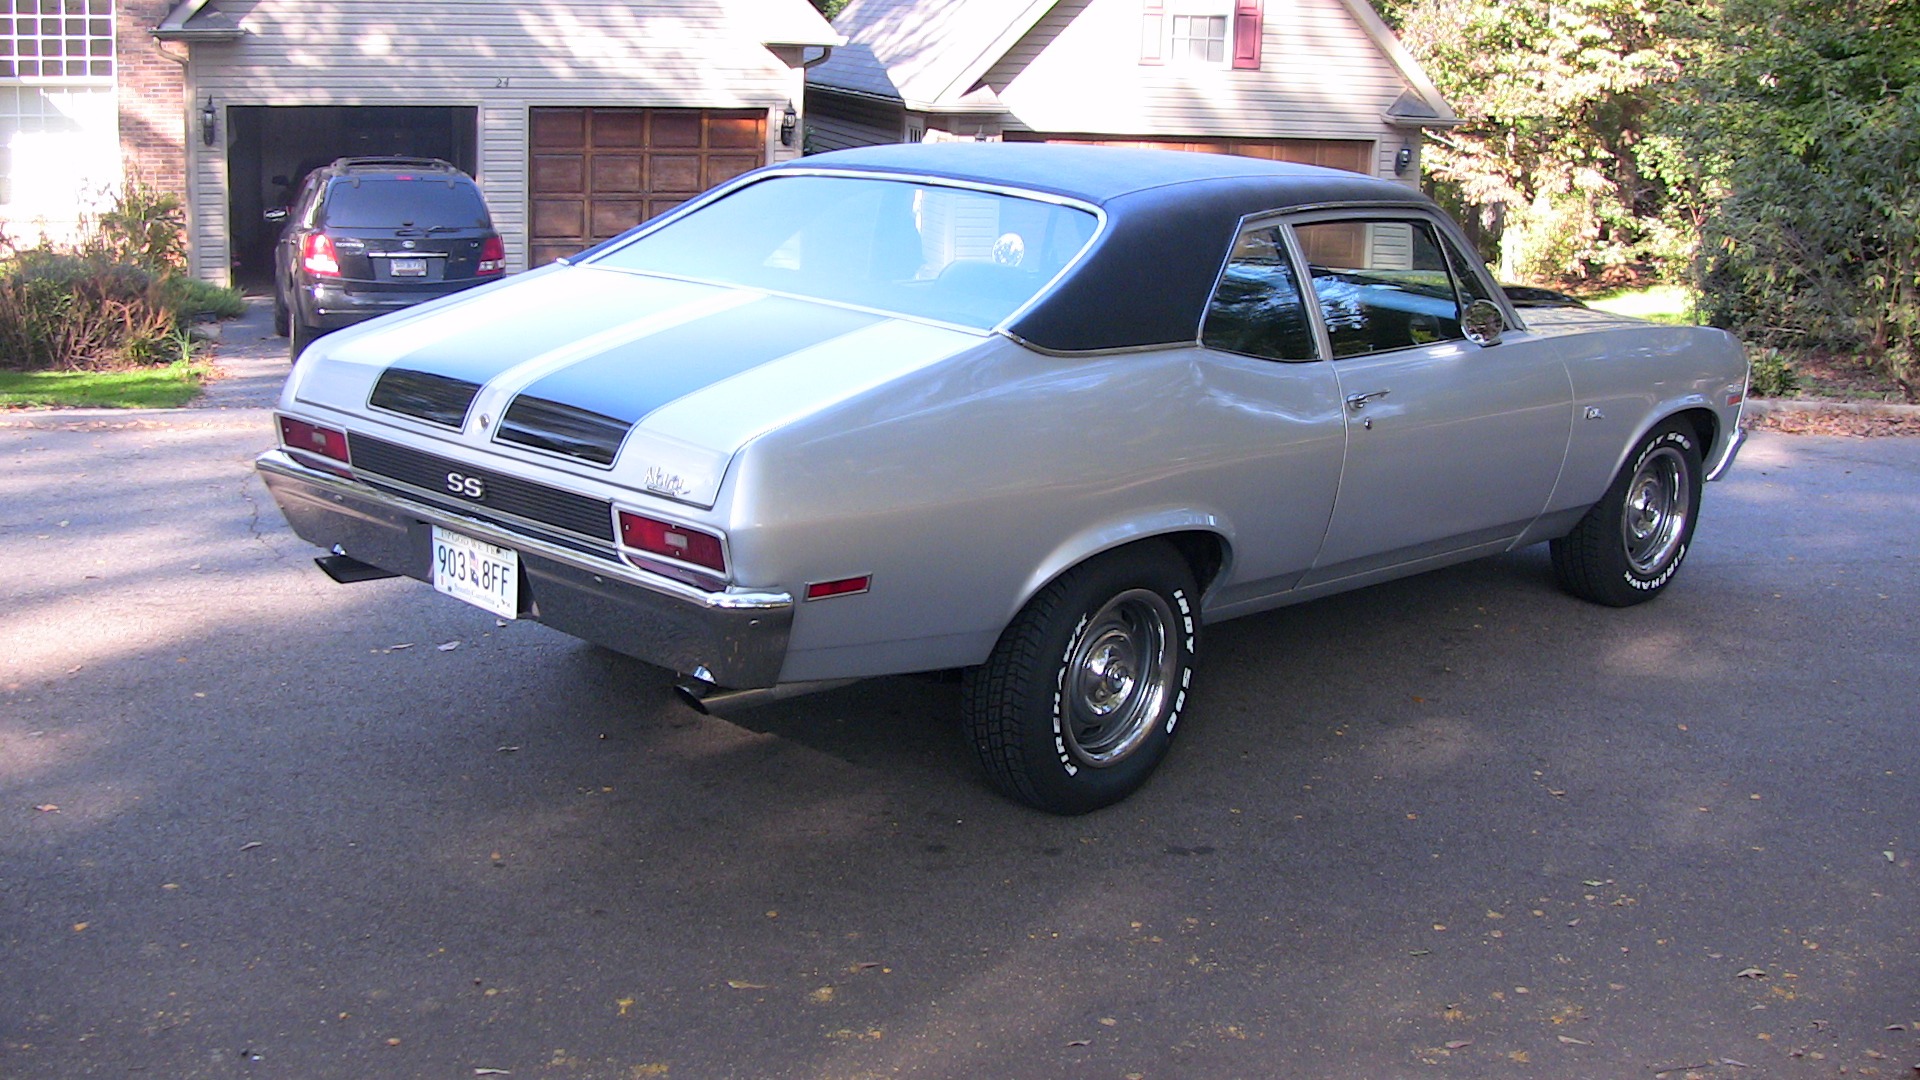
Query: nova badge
x=661 y=481
x=471 y=487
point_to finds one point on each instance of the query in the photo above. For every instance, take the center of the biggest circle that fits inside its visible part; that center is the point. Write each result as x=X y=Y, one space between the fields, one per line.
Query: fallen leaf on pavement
x=47 y=808
x=447 y=646
x=739 y=984
x=1750 y=973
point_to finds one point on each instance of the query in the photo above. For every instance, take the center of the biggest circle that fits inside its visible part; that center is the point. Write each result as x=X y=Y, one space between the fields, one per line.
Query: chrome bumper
x=735 y=639
x=1715 y=469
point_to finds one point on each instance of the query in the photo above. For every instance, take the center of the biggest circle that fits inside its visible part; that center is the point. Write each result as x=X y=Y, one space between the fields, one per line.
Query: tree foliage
x=1555 y=151
x=1802 y=122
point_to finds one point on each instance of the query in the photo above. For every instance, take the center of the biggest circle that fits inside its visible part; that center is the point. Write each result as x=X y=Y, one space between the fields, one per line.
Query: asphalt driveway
x=256 y=824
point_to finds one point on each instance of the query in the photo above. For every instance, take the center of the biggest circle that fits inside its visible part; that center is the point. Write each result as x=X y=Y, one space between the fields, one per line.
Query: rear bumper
x=735 y=639
x=335 y=307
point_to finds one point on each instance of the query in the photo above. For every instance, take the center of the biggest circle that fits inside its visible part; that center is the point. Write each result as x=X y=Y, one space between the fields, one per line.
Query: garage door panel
x=598 y=172
x=619 y=174
x=736 y=132
x=619 y=127
x=559 y=128
x=559 y=219
x=611 y=218
x=680 y=174
x=722 y=169
x=557 y=173
x=676 y=129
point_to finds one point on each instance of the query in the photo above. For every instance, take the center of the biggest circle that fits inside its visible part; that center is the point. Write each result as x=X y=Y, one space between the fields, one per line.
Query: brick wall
x=153 y=110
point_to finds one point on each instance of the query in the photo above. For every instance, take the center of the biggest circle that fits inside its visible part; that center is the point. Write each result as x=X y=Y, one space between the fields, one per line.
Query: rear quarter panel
x=966 y=486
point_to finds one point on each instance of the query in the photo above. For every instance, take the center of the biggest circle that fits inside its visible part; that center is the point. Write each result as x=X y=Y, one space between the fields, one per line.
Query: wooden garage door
x=598 y=172
x=1348 y=154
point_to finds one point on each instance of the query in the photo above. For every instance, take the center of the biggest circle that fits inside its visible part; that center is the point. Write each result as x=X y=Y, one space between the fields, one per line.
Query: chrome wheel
x=1120 y=671
x=1654 y=520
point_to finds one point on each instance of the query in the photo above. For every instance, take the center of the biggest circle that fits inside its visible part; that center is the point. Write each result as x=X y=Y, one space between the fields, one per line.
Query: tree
x=1803 y=125
x=1555 y=152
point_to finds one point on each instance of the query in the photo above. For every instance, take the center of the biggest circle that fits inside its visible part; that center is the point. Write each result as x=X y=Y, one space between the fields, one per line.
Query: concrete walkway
x=251 y=359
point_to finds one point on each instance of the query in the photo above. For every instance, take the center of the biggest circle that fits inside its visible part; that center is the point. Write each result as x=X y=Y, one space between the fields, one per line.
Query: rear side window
x=1257 y=308
x=373 y=202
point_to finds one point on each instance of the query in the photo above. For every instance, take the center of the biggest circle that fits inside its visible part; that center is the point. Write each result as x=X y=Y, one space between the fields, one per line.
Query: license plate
x=479 y=573
x=407 y=267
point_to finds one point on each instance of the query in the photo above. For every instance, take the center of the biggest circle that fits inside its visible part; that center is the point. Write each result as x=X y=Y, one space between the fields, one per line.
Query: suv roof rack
x=394 y=161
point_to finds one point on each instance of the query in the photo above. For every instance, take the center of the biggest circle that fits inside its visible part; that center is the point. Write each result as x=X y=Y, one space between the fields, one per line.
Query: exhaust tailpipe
x=709 y=700
x=345 y=569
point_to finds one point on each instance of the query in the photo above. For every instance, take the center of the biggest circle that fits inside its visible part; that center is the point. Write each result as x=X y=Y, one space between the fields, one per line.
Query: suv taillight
x=317 y=255
x=493 y=256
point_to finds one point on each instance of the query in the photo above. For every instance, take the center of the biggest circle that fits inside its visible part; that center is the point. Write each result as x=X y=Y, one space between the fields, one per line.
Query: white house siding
x=1321 y=77
x=499 y=57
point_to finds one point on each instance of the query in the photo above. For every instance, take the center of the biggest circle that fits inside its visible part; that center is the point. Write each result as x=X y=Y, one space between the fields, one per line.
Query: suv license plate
x=479 y=573
x=407 y=267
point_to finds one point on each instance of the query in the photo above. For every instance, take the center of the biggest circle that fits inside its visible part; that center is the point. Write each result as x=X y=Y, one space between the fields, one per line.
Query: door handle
x=1356 y=402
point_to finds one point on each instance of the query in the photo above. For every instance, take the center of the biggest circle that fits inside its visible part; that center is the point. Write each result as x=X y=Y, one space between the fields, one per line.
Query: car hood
x=654 y=382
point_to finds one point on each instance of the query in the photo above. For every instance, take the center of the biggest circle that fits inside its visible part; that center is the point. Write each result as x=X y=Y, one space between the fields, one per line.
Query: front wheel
x=1631 y=543
x=1078 y=702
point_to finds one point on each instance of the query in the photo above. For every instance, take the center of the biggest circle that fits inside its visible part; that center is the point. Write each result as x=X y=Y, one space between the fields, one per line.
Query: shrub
x=1773 y=374
x=65 y=311
x=117 y=298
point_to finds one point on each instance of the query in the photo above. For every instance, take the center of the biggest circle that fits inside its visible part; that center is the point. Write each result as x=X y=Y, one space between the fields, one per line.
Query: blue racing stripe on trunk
x=629 y=381
x=488 y=349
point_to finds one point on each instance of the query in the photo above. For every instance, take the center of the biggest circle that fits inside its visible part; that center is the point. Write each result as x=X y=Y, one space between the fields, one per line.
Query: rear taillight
x=693 y=547
x=318 y=256
x=493 y=256
x=313 y=439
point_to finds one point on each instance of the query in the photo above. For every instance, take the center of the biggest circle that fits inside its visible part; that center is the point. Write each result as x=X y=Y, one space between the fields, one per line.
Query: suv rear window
x=371 y=202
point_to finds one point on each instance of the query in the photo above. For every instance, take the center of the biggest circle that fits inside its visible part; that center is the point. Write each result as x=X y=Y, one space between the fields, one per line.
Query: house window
x=1201 y=33
x=1198 y=39
x=56 y=39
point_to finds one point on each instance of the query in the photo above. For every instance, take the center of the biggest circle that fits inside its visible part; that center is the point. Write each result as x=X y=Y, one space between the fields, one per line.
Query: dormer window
x=1201 y=33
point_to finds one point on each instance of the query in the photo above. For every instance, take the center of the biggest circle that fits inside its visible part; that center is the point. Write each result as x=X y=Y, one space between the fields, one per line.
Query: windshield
x=950 y=254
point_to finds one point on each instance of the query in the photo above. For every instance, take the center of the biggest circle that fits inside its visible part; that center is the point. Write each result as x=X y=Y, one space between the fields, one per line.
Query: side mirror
x=275 y=216
x=1482 y=323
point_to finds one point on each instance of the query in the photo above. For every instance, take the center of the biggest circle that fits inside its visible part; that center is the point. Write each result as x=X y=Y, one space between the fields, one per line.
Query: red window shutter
x=1153 y=32
x=1247 y=30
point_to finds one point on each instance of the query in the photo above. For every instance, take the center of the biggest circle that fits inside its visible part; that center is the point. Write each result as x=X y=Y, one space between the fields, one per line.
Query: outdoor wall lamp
x=788 y=121
x=1403 y=160
x=209 y=122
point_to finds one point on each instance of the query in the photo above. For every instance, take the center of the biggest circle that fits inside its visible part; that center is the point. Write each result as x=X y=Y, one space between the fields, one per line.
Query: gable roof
x=929 y=55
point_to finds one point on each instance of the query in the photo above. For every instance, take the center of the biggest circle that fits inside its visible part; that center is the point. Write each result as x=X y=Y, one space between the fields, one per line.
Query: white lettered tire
x=1628 y=547
x=1080 y=699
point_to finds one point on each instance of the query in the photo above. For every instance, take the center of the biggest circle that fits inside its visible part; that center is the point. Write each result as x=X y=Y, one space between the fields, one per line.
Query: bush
x=117 y=298
x=64 y=311
x=1773 y=374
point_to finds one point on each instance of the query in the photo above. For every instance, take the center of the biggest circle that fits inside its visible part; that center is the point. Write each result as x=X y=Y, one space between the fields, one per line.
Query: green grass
x=145 y=388
x=1670 y=304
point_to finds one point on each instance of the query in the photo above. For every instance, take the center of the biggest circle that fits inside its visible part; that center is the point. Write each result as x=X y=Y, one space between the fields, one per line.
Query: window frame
x=1461 y=268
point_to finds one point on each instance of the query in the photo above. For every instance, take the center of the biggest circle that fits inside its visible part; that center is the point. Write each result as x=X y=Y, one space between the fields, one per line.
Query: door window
x=1381 y=284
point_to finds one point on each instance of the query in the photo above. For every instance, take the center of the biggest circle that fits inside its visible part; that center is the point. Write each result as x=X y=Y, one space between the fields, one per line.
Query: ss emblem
x=470 y=486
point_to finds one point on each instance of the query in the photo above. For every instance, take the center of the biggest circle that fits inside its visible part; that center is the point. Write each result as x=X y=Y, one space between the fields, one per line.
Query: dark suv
x=367 y=235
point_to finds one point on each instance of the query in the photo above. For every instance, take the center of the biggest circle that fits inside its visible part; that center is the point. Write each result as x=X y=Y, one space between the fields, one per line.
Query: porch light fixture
x=209 y=122
x=1403 y=160
x=788 y=121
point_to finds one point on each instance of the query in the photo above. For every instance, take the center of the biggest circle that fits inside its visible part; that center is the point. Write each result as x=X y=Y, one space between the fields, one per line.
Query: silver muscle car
x=1034 y=413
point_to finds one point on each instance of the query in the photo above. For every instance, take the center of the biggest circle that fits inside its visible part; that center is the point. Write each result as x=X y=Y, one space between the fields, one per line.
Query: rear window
x=953 y=254
x=372 y=202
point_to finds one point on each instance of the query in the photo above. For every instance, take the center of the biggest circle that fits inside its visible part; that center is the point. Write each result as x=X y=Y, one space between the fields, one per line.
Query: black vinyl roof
x=1171 y=218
